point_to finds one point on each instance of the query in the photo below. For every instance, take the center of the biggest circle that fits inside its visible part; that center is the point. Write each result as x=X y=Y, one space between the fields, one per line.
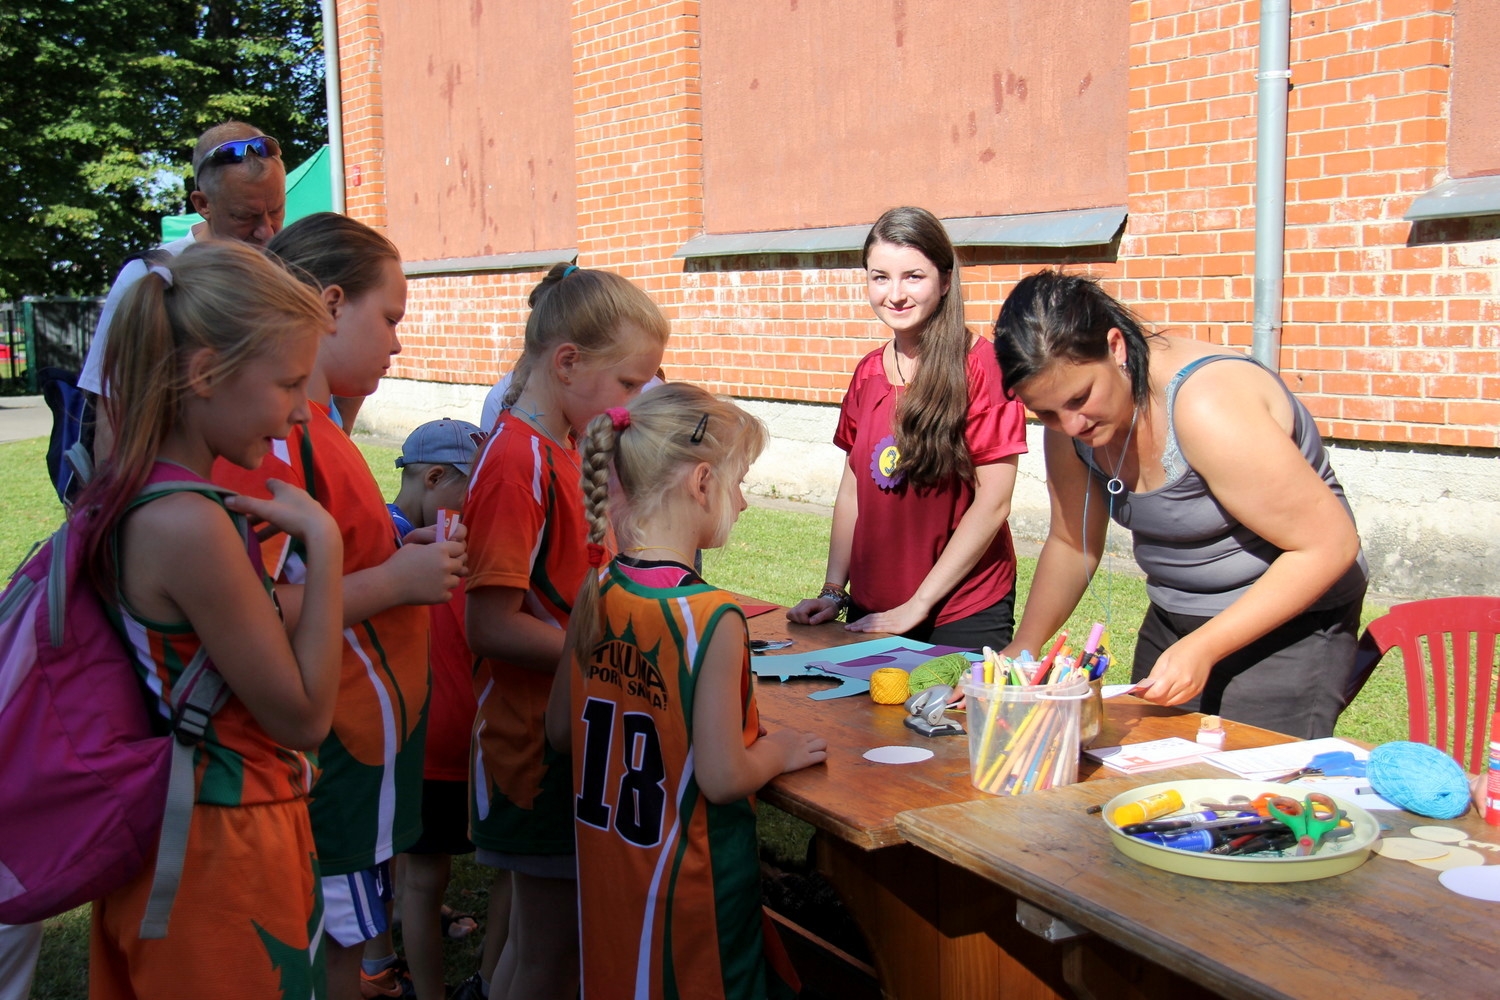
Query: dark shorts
x=1291 y=680
x=993 y=626
x=445 y=819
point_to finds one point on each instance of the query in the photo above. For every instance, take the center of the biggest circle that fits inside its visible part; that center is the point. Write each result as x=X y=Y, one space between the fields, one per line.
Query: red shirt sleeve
x=851 y=408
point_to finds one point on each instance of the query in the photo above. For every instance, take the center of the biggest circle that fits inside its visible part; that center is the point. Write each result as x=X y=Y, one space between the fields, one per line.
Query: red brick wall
x=360 y=42
x=1392 y=330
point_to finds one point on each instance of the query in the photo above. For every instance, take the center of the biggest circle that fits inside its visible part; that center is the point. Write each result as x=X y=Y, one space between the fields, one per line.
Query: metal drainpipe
x=335 y=99
x=1270 y=179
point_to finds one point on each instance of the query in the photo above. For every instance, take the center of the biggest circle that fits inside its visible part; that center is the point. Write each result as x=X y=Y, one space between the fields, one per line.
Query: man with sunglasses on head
x=239 y=187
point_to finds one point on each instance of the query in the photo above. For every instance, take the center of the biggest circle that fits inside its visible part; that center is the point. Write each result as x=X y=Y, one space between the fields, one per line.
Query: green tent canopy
x=309 y=189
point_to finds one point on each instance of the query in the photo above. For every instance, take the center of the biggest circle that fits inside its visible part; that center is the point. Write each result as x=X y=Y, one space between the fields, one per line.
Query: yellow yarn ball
x=945 y=669
x=888 y=686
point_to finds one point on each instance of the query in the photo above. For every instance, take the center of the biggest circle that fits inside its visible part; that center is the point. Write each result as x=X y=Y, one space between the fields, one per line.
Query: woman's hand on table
x=900 y=619
x=1178 y=676
x=814 y=611
x=796 y=750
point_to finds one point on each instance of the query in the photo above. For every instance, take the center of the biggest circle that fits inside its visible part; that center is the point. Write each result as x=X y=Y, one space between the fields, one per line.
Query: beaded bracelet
x=836 y=592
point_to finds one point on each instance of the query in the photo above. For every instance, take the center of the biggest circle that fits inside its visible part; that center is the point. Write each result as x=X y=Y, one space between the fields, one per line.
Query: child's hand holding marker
x=432 y=560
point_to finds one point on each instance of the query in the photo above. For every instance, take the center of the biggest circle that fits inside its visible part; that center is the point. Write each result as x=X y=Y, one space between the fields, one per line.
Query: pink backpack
x=88 y=792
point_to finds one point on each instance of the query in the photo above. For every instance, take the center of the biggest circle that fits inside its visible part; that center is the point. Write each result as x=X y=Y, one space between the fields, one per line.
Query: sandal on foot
x=457 y=926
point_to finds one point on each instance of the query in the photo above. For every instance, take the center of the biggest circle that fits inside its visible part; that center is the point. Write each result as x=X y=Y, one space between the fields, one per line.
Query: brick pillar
x=639 y=120
x=360 y=46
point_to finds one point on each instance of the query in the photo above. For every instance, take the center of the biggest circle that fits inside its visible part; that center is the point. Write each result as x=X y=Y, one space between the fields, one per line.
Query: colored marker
x=1095 y=634
x=1057 y=645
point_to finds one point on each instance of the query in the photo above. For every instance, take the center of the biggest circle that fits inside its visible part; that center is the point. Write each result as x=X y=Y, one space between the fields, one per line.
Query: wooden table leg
x=937 y=932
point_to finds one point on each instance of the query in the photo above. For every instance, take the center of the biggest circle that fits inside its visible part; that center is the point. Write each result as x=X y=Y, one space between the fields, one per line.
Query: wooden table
x=934 y=871
x=1388 y=929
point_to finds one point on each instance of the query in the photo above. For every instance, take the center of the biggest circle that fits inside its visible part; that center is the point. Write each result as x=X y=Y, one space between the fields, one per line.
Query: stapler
x=925 y=712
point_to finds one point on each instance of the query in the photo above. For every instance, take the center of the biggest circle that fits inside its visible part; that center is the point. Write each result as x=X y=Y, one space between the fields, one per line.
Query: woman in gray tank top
x=1252 y=560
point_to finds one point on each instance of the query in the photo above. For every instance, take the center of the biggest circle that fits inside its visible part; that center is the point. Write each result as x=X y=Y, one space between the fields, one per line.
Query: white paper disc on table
x=897 y=755
x=1477 y=883
x=1439 y=834
x=1407 y=849
x=1455 y=857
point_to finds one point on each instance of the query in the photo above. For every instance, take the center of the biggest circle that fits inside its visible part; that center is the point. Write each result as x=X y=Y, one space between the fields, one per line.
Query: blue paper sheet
x=852 y=664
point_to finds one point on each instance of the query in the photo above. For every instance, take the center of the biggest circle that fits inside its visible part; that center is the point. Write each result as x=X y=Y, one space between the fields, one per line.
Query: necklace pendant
x=1115 y=487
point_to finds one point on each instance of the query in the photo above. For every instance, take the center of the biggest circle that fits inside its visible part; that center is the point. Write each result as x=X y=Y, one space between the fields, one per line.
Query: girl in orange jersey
x=366 y=803
x=592 y=340
x=209 y=358
x=658 y=712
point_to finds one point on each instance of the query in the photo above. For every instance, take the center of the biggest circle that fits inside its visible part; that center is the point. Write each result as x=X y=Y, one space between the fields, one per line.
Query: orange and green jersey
x=237 y=763
x=366 y=798
x=668 y=882
x=527 y=531
x=247 y=917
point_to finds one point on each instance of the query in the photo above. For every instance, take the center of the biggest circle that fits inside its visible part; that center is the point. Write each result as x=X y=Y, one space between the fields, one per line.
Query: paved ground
x=23 y=417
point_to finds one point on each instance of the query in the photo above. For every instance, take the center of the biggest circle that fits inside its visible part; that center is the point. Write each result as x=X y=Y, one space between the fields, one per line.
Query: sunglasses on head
x=235 y=151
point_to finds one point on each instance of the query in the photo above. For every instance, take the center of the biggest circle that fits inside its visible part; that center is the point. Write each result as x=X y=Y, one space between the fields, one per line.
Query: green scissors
x=1311 y=819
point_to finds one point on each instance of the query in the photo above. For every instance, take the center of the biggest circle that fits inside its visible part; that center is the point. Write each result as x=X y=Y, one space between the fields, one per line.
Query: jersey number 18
x=641 y=796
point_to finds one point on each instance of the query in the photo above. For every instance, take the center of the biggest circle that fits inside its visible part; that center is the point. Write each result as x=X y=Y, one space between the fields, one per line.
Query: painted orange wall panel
x=827 y=112
x=479 y=127
x=1474 y=130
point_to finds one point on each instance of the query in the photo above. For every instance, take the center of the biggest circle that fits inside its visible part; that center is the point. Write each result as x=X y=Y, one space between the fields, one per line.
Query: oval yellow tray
x=1334 y=857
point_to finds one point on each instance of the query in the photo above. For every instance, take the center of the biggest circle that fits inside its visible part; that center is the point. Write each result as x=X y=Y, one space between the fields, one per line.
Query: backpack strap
x=81 y=458
x=199 y=693
x=309 y=466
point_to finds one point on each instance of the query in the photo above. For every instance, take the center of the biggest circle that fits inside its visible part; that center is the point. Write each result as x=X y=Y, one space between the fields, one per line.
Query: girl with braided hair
x=656 y=707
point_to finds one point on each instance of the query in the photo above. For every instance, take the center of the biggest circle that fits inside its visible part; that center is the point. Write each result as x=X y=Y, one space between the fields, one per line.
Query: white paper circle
x=1476 y=883
x=897 y=755
x=1457 y=857
x=1438 y=834
x=1406 y=849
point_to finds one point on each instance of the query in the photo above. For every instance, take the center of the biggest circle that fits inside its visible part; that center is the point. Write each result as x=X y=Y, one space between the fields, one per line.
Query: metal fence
x=44 y=333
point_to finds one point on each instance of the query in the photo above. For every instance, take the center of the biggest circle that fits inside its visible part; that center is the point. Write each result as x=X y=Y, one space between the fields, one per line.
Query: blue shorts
x=354 y=905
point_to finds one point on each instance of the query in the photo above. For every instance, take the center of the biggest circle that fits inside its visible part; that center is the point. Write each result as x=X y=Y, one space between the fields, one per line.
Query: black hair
x=1050 y=316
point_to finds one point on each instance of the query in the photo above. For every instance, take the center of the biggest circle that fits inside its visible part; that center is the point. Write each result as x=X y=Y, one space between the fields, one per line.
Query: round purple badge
x=883 y=462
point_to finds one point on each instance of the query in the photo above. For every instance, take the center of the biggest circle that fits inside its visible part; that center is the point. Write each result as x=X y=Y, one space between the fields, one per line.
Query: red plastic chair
x=1448 y=651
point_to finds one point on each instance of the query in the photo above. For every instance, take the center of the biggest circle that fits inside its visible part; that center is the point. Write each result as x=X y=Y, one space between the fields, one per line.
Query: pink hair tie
x=597 y=554
x=619 y=417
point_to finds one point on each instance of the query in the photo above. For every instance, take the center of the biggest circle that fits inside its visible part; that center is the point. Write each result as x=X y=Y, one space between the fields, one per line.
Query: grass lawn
x=774 y=554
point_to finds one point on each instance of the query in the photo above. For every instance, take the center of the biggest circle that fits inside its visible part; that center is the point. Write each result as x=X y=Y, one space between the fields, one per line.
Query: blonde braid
x=598 y=451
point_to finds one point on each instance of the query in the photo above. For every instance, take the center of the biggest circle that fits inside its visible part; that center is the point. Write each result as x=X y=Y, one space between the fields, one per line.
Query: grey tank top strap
x=1171 y=454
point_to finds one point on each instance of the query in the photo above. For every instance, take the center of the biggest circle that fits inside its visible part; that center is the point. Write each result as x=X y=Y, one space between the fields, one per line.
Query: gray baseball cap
x=449 y=442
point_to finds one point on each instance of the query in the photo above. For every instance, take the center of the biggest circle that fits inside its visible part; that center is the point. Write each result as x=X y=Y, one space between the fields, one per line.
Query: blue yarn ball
x=1419 y=779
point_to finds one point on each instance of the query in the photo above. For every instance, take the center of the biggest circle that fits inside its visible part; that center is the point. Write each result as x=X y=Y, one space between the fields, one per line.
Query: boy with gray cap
x=435 y=464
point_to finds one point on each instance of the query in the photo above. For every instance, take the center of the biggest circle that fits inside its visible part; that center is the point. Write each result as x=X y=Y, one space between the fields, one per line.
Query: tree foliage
x=100 y=103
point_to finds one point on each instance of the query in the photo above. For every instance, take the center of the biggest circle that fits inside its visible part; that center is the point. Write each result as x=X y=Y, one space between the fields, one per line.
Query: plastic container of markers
x=1023 y=738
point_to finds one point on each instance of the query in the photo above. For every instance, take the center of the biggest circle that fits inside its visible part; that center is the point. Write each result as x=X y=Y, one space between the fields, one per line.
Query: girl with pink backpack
x=209 y=357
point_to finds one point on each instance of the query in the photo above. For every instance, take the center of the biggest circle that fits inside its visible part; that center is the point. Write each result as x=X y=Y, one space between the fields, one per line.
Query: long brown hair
x=933 y=410
x=222 y=295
